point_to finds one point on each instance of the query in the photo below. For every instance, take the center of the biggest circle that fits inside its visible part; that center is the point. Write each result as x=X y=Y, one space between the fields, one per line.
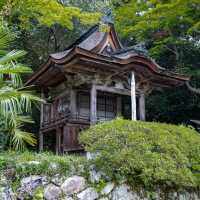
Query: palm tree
x=15 y=99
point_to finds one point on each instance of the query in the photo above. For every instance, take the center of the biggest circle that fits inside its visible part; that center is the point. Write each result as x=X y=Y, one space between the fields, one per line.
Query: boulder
x=95 y=176
x=88 y=194
x=52 y=192
x=57 y=180
x=34 y=180
x=123 y=192
x=29 y=184
x=108 y=188
x=6 y=194
x=73 y=185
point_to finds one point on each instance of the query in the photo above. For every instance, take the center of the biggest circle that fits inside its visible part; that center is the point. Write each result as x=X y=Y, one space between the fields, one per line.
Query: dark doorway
x=50 y=141
x=126 y=107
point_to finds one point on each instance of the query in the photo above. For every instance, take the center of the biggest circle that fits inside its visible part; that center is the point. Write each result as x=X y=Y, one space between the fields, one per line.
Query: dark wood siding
x=70 y=136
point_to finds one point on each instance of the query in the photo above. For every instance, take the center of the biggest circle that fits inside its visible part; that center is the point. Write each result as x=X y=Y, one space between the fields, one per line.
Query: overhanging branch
x=192 y=89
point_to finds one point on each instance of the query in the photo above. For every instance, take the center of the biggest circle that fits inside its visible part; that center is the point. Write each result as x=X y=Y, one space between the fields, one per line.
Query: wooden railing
x=54 y=113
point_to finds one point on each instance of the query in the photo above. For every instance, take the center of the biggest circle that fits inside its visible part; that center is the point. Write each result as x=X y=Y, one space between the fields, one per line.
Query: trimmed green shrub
x=145 y=153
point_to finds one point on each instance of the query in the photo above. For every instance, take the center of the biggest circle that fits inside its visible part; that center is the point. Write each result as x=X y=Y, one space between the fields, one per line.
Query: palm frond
x=9 y=101
x=3 y=52
x=19 y=138
x=5 y=37
x=24 y=119
x=15 y=100
x=14 y=72
x=14 y=125
x=15 y=69
x=12 y=56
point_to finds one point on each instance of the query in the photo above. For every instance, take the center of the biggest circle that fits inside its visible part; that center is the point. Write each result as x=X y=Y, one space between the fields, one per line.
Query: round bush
x=145 y=153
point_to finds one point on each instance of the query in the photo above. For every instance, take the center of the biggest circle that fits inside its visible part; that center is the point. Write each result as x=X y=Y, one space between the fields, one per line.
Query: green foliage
x=15 y=99
x=144 y=153
x=38 y=194
x=169 y=28
x=47 y=164
x=172 y=106
x=100 y=185
x=46 y=12
x=150 y=17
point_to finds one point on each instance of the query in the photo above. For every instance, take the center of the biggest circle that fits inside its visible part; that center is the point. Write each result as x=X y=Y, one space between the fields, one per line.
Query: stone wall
x=78 y=188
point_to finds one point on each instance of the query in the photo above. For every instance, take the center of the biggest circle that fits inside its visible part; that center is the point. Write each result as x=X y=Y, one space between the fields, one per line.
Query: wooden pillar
x=65 y=138
x=42 y=109
x=142 y=106
x=41 y=141
x=72 y=106
x=41 y=137
x=58 y=140
x=93 y=104
x=133 y=97
x=119 y=106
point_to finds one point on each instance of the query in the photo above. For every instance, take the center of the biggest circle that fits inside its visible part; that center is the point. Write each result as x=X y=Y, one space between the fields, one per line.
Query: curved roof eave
x=152 y=66
x=136 y=59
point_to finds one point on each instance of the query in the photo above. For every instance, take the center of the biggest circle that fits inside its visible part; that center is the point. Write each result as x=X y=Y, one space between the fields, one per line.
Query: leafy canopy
x=46 y=12
x=145 y=153
x=145 y=18
x=170 y=28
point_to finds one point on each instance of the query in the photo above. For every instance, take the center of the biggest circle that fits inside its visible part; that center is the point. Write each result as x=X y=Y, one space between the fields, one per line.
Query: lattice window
x=106 y=107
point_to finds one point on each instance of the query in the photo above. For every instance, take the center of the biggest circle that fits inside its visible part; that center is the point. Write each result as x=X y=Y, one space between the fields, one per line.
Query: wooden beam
x=72 y=106
x=58 y=140
x=133 y=97
x=41 y=141
x=42 y=109
x=65 y=136
x=114 y=90
x=142 y=106
x=41 y=122
x=93 y=104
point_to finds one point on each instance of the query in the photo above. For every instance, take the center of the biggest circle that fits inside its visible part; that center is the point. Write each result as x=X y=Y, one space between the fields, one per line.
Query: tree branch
x=192 y=89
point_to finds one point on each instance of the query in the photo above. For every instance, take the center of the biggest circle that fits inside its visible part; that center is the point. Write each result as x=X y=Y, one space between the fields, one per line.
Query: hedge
x=145 y=153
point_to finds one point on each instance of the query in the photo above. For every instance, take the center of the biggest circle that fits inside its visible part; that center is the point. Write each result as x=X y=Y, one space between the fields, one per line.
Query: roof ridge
x=83 y=36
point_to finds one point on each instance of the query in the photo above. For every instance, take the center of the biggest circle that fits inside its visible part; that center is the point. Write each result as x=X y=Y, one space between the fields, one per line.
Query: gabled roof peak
x=95 y=40
x=108 y=17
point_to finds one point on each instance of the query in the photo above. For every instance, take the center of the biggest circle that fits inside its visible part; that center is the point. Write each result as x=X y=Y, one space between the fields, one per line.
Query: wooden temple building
x=95 y=79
